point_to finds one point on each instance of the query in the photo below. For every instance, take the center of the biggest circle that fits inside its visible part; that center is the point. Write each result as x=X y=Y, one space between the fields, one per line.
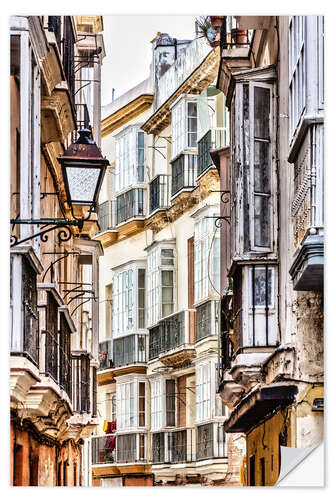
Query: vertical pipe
x=253 y=306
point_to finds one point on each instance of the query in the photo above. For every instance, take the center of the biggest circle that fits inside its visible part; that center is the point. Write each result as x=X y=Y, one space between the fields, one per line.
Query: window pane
x=167 y=278
x=261 y=167
x=261 y=112
x=261 y=221
x=260 y=287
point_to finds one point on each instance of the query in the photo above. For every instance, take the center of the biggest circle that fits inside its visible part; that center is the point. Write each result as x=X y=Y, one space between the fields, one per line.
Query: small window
x=170 y=403
x=142 y=404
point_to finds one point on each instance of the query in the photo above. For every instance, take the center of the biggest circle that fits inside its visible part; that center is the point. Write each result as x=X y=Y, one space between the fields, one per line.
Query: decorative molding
x=57 y=116
x=201 y=77
x=126 y=113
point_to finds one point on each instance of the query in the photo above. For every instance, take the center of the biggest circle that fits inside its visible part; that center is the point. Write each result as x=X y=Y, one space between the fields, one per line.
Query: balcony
x=159 y=193
x=81 y=382
x=235 y=54
x=119 y=453
x=129 y=354
x=184 y=173
x=104 y=374
x=170 y=340
x=213 y=139
x=210 y=441
x=205 y=320
x=107 y=214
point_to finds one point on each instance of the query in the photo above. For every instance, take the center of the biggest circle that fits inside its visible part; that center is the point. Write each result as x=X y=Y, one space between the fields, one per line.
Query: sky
x=129 y=51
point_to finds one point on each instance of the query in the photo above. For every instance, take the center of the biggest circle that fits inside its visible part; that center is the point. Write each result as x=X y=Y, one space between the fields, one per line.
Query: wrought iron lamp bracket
x=63 y=225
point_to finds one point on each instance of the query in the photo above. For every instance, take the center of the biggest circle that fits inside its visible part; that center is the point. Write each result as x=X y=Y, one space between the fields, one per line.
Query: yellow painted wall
x=263 y=442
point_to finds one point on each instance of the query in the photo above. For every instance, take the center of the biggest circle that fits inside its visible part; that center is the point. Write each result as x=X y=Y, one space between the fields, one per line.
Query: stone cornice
x=201 y=77
x=126 y=113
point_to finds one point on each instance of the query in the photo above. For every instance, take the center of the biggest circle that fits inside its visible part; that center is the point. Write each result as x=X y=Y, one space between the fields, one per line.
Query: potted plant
x=206 y=29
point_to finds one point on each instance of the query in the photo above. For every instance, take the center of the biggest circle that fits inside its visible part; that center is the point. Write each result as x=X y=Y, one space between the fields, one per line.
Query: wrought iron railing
x=181 y=446
x=184 y=173
x=227 y=351
x=107 y=215
x=231 y=35
x=30 y=312
x=68 y=56
x=81 y=383
x=54 y=24
x=159 y=193
x=215 y=138
x=51 y=354
x=204 y=325
x=158 y=448
x=105 y=355
x=118 y=448
x=130 y=349
x=130 y=204
x=65 y=361
x=210 y=441
x=167 y=335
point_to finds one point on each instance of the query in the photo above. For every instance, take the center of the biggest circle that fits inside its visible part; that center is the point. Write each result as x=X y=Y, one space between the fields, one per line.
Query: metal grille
x=169 y=334
x=51 y=339
x=204 y=158
x=104 y=355
x=54 y=24
x=158 y=447
x=103 y=449
x=204 y=321
x=29 y=293
x=106 y=215
x=130 y=204
x=158 y=193
x=68 y=56
x=178 y=446
x=184 y=172
x=129 y=349
x=208 y=445
x=65 y=375
x=81 y=383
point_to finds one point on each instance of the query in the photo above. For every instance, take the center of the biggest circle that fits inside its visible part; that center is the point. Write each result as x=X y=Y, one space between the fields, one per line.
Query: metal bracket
x=218 y=219
x=65 y=231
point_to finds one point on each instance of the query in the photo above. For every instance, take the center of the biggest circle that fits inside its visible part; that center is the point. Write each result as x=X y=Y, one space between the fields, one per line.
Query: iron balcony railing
x=159 y=193
x=184 y=173
x=54 y=24
x=118 y=448
x=105 y=355
x=210 y=441
x=205 y=320
x=30 y=312
x=167 y=335
x=107 y=215
x=81 y=383
x=65 y=360
x=130 y=204
x=181 y=446
x=231 y=35
x=214 y=138
x=129 y=350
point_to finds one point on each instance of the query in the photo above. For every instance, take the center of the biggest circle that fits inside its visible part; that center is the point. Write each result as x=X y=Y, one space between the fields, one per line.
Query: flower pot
x=216 y=21
x=238 y=36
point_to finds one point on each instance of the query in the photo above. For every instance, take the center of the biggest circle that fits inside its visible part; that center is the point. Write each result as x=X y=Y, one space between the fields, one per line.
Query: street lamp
x=83 y=168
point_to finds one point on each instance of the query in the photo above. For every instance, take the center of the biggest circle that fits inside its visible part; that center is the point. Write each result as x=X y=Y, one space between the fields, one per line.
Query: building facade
x=54 y=92
x=271 y=358
x=162 y=422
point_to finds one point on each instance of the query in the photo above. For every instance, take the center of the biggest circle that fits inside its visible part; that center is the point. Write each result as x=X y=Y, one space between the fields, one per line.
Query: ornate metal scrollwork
x=65 y=232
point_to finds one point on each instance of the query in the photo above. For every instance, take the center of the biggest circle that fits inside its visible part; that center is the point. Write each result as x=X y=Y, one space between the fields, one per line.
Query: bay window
x=184 y=124
x=128 y=300
x=156 y=403
x=130 y=204
x=206 y=258
x=257 y=324
x=131 y=404
x=161 y=283
x=253 y=175
x=130 y=158
x=203 y=392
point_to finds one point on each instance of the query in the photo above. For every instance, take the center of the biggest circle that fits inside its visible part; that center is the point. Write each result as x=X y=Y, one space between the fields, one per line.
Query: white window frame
x=127 y=405
x=126 y=159
x=156 y=403
x=203 y=391
x=154 y=281
x=297 y=72
x=122 y=305
x=179 y=122
x=205 y=253
x=260 y=311
x=253 y=247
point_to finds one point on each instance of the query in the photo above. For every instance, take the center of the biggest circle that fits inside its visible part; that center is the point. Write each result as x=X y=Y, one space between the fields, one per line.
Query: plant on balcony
x=207 y=30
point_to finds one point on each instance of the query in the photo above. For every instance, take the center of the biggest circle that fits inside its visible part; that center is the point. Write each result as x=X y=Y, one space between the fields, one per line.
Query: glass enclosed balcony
x=184 y=173
x=159 y=193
